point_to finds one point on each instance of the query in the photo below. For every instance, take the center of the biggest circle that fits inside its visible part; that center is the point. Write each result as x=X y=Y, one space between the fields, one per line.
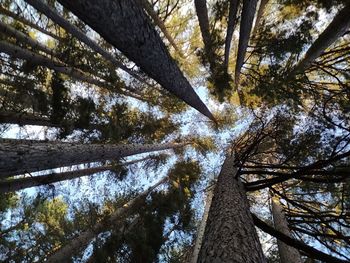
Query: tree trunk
x=28 y=23
x=24 y=156
x=76 y=32
x=123 y=24
x=21 y=119
x=203 y=19
x=334 y=30
x=247 y=17
x=230 y=29
x=67 y=251
x=230 y=235
x=259 y=15
x=149 y=9
x=23 y=183
x=287 y=253
x=200 y=232
x=8 y=30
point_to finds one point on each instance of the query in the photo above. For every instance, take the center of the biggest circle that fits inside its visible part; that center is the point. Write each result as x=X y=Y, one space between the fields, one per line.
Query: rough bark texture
x=76 y=32
x=123 y=24
x=200 y=232
x=230 y=29
x=18 y=156
x=248 y=12
x=65 y=253
x=339 y=25
x=287 y=253
x=230 y=235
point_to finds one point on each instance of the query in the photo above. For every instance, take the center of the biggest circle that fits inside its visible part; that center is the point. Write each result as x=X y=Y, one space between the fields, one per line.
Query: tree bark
x=149 y=9
x=123 y=24
x=24 y=156
x=28 y=23
x=231 y=24
x=23 y=183
x=247 y=17
x=230 y=235
x=334 y=30
x=259 y=15
x=287 y=253
x=21 y=118
x=76 y=32
x=67 y=251
x=200 y=232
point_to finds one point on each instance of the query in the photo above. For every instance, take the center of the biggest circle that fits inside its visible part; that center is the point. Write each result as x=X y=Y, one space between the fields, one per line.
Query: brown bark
x=334 y=30
x=23 y=156
x=124 y=24
x=287 y=253
x=230 y=235
x=66 y=252
x=247 y=17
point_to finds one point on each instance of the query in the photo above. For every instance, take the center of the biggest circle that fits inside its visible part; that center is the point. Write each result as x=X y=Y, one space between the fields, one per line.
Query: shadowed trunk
x=231 y=24
x=77 y=33
x=124 y=24
x=83 y=239
x=287 y=253
x=334 y=30
x=25 y=156
x=230 y=235
x=247 y=17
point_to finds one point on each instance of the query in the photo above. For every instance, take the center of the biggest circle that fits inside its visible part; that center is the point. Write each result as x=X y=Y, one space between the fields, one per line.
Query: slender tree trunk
x=200 y=232
x=247 y=18
x=123 y=24
x=203 y=19
x=24 y=156
x=23 y=183
x=76 y=32
x=259 y=15
x=339 y=25
x=67 y=251
x=230 y=235
x=287 y=253
x=231 y=24
x=28 y=23
x=21 y=118
x=8 y=30
x=149 y=9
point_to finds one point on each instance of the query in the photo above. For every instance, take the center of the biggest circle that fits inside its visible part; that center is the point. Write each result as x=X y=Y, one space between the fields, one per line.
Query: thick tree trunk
x=23 y=183
x=230 y=235
x=231 y=24
x=23 y=156
x=287 y=253
x=66 y=252
x=76 y=32
x=339 y=25
x=247 y=18
x=28 y=23
x=200 y=231
x=123 y=24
